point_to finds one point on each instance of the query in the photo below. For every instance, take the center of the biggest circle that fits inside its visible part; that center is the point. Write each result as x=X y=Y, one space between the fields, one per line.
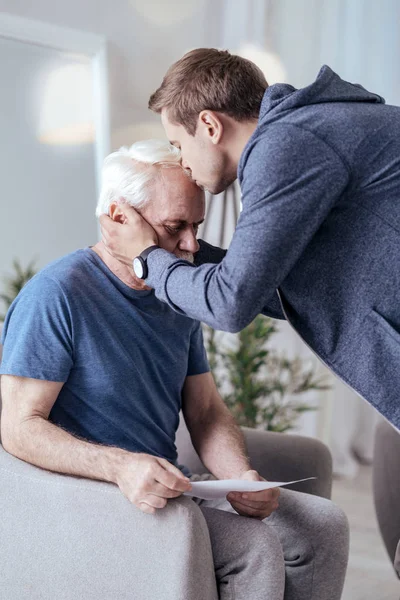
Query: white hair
x=128 y=172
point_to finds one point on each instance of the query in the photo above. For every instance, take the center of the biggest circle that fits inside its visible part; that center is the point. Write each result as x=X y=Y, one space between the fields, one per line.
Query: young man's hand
x=258 y=505
x=127 y=240
x=148 y=481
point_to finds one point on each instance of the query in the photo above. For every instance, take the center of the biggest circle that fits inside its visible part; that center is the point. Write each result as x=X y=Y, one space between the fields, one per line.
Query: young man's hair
x=211 y=79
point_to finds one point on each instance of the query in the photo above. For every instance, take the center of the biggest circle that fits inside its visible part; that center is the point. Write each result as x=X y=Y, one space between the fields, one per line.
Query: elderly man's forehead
x=178 y=197
x=175 y=175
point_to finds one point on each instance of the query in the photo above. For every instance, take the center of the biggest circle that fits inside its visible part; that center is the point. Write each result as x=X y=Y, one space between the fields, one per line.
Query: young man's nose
x=185 y=166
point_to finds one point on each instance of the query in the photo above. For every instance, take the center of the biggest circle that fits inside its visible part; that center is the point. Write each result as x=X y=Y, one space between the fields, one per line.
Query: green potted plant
x=261 y=387
x=16 y=282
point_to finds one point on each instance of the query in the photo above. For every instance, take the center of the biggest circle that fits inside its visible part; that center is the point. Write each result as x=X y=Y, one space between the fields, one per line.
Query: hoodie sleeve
x=213 y=254
x=290 y=181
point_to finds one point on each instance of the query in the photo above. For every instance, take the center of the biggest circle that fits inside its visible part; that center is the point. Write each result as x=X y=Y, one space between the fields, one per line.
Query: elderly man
x=96 y=369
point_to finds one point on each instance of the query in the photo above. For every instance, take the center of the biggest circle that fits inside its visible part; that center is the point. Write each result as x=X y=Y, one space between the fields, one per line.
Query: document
x=212 y=490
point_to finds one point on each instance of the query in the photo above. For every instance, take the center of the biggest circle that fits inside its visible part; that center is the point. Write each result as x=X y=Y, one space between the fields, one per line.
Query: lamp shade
x=67 y=106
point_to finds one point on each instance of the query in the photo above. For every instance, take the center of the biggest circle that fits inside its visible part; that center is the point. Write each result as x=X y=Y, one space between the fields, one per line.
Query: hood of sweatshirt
x=328 y=87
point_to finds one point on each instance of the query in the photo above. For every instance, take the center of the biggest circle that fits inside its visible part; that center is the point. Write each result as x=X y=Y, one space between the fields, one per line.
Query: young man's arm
x=26 y=432
x=209 y=254
x=220 y=443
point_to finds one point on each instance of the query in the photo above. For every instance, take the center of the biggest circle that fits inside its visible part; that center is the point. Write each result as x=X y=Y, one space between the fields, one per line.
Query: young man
x=95 y=371
x=318 y=240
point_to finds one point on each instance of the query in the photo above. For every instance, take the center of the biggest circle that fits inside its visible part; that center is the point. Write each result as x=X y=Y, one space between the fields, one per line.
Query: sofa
x=70 y=538
x=386 y=488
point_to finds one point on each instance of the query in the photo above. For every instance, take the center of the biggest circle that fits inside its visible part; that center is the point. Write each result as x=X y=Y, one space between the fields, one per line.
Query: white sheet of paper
x=211 y=490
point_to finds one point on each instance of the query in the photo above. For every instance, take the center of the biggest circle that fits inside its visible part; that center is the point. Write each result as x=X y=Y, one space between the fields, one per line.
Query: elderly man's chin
x=184 y=255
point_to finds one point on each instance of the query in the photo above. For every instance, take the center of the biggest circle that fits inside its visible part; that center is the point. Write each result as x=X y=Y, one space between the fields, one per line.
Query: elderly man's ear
x=116 y=212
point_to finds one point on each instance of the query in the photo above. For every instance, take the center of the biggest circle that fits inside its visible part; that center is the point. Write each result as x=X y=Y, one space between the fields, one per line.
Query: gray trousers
x=300 y=552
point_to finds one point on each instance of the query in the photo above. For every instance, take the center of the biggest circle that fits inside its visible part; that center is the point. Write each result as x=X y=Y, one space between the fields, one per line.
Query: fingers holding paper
x=260 y=504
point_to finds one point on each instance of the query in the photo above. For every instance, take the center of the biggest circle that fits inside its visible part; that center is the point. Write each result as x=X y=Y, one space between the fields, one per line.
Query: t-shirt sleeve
x=37 y=333
x=198 y=362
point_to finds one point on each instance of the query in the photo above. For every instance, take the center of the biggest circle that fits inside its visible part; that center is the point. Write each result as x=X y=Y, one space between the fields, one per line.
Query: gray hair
x=128 y=172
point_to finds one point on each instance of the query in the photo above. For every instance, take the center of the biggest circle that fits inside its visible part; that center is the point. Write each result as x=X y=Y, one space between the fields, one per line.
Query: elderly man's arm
x=217 y=439
x=220 y=444
x=26 y=432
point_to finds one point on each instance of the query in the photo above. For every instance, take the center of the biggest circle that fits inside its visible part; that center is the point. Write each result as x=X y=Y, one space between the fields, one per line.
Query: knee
x=317 y=528
x=263 y=541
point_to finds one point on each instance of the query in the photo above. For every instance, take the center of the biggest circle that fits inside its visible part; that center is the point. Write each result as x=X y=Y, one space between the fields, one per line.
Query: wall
x=142 y=42
x=48 y=192
x=145 y=37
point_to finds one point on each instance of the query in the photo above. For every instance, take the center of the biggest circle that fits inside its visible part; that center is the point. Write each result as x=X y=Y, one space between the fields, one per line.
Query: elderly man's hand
x=254 y=504
x=127 y=240
x=149 y=482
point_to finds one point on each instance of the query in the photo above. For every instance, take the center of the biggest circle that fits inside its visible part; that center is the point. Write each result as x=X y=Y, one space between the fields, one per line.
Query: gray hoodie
x=318 y=240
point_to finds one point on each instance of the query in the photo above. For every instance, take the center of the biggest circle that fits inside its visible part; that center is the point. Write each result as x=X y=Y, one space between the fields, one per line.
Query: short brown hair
x=211 y=79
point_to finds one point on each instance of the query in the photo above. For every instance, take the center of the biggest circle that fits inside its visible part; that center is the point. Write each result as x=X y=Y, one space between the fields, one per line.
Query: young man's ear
x=116 y=213
x=211 y=125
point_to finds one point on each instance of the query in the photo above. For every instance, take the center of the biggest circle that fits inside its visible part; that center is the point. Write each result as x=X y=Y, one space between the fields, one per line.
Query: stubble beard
x=223 y=178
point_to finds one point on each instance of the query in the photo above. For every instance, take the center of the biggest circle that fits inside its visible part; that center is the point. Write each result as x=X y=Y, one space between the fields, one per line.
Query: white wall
x=140 y=50
x=48 y=192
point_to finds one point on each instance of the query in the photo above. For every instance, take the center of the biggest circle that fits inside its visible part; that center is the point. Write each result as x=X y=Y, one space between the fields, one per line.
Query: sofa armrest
x=284 y=457
x=68 y=537
x=386 y=488
x=276 y=456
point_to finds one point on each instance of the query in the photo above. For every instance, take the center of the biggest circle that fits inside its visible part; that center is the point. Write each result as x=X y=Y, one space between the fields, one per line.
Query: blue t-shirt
x=122 y=354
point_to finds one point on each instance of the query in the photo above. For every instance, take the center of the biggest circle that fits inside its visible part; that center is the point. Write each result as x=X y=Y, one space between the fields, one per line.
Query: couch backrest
x=186 y=453
x=1 y=351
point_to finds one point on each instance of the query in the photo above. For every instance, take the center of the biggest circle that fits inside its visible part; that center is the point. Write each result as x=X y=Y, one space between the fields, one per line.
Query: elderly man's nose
x=189 y=243
x=195 y=246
